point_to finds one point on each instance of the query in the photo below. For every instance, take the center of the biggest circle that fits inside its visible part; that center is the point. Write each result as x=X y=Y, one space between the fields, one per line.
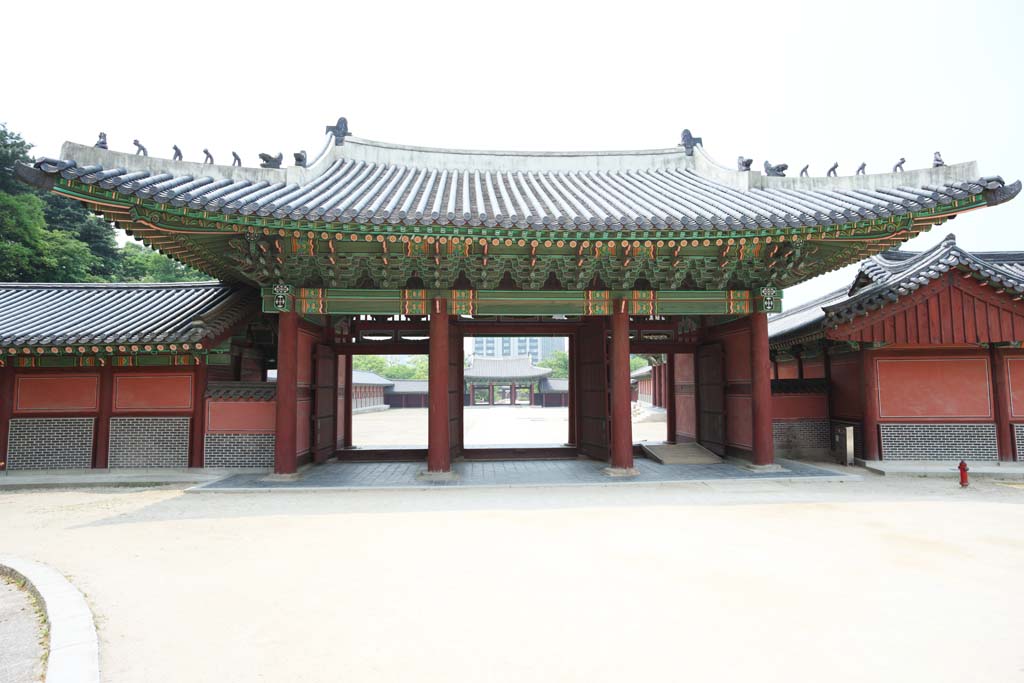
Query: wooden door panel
x=711 y=397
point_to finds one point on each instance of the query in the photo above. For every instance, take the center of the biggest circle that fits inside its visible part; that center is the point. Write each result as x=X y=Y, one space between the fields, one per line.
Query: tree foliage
x=558 y=361
x=48 y=238
x=411 y=367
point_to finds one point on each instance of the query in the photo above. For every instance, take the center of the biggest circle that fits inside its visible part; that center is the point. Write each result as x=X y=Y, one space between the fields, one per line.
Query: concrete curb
x=74 y=655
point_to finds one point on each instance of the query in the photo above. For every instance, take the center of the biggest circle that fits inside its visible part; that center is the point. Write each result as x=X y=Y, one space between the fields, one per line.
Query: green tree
x=375 y=364
x=13 y=149
x=637 y=362
x=139 y=263
x=558 y=361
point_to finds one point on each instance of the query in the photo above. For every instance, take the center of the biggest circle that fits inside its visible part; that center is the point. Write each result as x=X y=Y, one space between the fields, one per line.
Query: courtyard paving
x=508 y=473
x=21 y=651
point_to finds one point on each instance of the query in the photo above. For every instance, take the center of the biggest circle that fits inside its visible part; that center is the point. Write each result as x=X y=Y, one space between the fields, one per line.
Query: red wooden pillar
x=6 y=410
x=572 y=391
x=472 y=389
x=101 y=440
x=531 y=393
x=512 y=392
x=869 y=424
x=1001 y=401
x=196 y=453
x=285 y=461
x=618 y=358
x=438 y=437
x=490 y=394
x=761 y=390
x=670 y=398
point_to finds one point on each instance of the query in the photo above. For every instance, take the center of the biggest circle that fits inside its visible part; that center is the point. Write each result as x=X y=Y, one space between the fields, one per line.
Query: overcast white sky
x=793 y=82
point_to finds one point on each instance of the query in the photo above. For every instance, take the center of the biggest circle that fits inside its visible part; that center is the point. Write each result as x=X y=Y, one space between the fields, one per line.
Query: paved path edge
x=74 y=655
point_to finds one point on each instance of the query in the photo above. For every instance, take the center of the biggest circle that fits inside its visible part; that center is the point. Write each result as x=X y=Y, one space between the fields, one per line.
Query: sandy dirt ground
x=483 y=426
x=878 y=580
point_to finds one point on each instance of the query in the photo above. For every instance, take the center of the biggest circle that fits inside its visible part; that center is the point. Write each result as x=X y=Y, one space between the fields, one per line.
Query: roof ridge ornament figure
x=898 y=168
x=832 y=170
x=689 y=142
x=235 y=159
x=339 y=131
x=271 y=162
x=177 y=153
x=803 y=171
x=101 y=142
x=743 y=164
x=777 y=171
x=862 y=169
x=937 y=161
x=208 y=159
x=139 y=148
x=300 y=159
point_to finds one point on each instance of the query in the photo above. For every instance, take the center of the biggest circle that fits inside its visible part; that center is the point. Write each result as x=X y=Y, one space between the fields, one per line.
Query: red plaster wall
x=51 y=393
x=738 y=402
x=799 y=406
x=152 y=393
x=737 y=356
x=846 y=387
x=957 y=388
x=1015 y=383
x=240 y=417
x=302 y=414
x=686 y=403
x=787 y=369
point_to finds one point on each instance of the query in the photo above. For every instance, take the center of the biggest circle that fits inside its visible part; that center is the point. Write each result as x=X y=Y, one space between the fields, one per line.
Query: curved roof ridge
x=199 y=284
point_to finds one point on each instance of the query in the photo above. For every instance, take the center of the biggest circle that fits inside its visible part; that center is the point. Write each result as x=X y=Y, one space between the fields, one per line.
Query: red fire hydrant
x=963 y=473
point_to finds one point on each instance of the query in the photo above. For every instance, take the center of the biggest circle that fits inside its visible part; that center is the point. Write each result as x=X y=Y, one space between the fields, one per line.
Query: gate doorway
x=711 y=397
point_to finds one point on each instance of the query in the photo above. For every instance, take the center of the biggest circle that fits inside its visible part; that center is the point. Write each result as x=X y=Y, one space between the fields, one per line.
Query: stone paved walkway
x=507 y=473
x=20 y=651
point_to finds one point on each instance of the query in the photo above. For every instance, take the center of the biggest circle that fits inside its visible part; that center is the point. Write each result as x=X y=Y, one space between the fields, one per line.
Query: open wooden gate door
x=711 y=398
x=456 y=364
x=325 y=403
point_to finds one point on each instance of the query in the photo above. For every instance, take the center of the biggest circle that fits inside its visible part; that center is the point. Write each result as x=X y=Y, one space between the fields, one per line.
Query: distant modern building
x=537 y=348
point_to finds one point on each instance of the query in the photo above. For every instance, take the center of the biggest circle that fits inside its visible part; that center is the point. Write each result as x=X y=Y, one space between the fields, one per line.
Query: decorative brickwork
x=239 y=450
x=1018 y=435
x=938 y=441
x=148 y=442
x=839 y=438
x=45 y=443
x=800 y=437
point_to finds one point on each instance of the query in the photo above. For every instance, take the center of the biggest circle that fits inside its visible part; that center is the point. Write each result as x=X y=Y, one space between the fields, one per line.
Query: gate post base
x=427 y=475
x=762 y=468
x=620 y=471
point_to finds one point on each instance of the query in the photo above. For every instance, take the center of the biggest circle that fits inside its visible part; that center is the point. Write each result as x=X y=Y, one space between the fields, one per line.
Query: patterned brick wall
x=148 y=442
x=800 y=436
x=839 y=438
x=938 y=441
x=239 y=450
x=43 y=443
x=1018 y=435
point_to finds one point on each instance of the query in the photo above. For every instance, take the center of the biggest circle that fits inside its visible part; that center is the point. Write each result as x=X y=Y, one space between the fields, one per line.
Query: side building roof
x=68 y=315
x=365 y=378
x=887 y=277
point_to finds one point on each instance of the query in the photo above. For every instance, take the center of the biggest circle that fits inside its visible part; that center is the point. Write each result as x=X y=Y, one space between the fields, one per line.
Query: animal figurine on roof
x=235 y=159
x=139 y=149
x=937 y=161
x=898 y=168
x=208 y=159
x=339 y=131
x=689 y=142
x=777 y=171
x=832 y=171
x=743 y=164
x=177 y=153
x=803 y=171
x=862 y=169
x=271 y=162
x=300 y=159
x=102 y=141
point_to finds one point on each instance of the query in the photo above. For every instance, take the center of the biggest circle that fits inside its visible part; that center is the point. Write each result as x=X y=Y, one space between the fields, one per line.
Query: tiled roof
x=645 y=371
x=554 y=385
x=370 y=182
x=890 y=275
x=513 y=367
x=886 y=277
x=44 y=314
x=363 y=377
x=408 y=386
